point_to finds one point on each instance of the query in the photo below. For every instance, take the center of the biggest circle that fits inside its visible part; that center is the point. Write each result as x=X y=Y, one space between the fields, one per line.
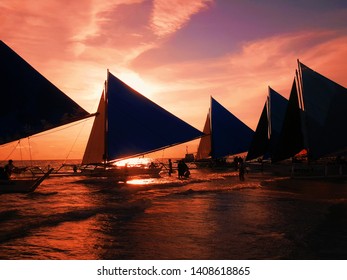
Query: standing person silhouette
x=170 y=167
x=241 y=167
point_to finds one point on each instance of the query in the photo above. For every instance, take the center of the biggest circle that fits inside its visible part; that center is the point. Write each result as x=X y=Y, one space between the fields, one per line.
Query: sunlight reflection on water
x=141 y=181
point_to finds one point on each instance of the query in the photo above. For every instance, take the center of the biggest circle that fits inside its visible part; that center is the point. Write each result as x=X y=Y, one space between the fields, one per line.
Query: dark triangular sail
x=135 y=125
x=269 y=126
x=229 y=134
x=324 y=105
x=29 y=102
x=290 y=140
x=260 y=141
x=277 y=106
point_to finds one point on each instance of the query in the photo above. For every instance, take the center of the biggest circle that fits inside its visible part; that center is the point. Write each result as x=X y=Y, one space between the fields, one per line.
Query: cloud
x=61 y=29
x=239 y=80
x=45 y=24
x=168 y=16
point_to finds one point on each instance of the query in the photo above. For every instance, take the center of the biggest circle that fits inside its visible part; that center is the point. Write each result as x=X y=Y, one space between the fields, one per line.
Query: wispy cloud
x=168 y=16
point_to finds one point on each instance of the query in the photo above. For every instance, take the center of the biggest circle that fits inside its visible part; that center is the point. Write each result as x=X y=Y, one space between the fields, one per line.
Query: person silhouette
x=7 y=170
x=170 y=167
x=242 y=168
x=183 y=170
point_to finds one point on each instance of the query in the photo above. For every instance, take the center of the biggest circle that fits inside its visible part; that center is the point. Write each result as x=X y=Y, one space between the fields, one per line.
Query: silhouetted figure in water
x=242 y=168
x=183 y=170
x=236 y=163
x=180 y=169
x=170 y=167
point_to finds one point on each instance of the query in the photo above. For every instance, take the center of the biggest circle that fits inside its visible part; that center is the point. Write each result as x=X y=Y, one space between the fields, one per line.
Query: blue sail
x=229 y=135
x=136 y=125
x=29 y=102
x=324 y=104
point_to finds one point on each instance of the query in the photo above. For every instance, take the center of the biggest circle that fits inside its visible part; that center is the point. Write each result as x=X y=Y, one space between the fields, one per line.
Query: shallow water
x=212 y=215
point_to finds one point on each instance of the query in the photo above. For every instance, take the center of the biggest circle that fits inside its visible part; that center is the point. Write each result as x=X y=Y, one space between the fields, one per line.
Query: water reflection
x=165 y=218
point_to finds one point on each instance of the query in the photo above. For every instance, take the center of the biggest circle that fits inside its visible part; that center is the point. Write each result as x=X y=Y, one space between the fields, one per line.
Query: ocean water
x=211 y=215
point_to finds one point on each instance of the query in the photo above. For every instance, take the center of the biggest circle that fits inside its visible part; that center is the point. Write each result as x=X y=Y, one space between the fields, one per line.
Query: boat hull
x=22 y=185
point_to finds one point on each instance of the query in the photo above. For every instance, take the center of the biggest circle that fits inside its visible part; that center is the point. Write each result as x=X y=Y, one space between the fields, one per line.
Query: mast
x=105 y=156
x=211 y=128
x=269 y=114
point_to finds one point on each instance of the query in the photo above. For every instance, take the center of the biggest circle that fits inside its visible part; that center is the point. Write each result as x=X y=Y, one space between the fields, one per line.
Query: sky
x=178 y=53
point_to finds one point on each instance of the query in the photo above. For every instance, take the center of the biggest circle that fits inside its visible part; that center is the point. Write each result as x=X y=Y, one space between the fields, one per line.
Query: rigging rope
x=15 y=147
x=31 y=160
x=79 y=133
x=20 y=151
x=73 y=144
x=63 y=128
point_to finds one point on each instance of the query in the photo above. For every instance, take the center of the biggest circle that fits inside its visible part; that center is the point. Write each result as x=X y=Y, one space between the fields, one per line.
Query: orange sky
x=176 y=52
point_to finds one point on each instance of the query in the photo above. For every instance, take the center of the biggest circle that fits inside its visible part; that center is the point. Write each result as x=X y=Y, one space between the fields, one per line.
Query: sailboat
x=269 y=127
x=30 y=104
x=128 y=125
x=323 y=103
x=315 y=119
x=225 y=135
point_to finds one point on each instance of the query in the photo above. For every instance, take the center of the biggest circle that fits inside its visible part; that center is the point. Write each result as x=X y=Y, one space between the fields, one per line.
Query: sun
x=135 y=81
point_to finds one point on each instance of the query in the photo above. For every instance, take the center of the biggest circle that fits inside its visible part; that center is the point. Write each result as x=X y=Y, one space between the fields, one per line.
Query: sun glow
x=131 y=162
x=136 y=82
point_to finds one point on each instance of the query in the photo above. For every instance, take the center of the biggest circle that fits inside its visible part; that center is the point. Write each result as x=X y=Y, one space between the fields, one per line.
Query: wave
x=39 y=194
x=27 y=225
x=248 y=185
x=8 y=214
x=228 y=188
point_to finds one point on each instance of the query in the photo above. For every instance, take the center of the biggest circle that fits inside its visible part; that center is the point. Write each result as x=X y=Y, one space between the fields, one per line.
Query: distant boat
x=188 y=157
x=315 y=119
x=30 y=104
x=129 y=125
x=269 y=127
x=225 y=135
